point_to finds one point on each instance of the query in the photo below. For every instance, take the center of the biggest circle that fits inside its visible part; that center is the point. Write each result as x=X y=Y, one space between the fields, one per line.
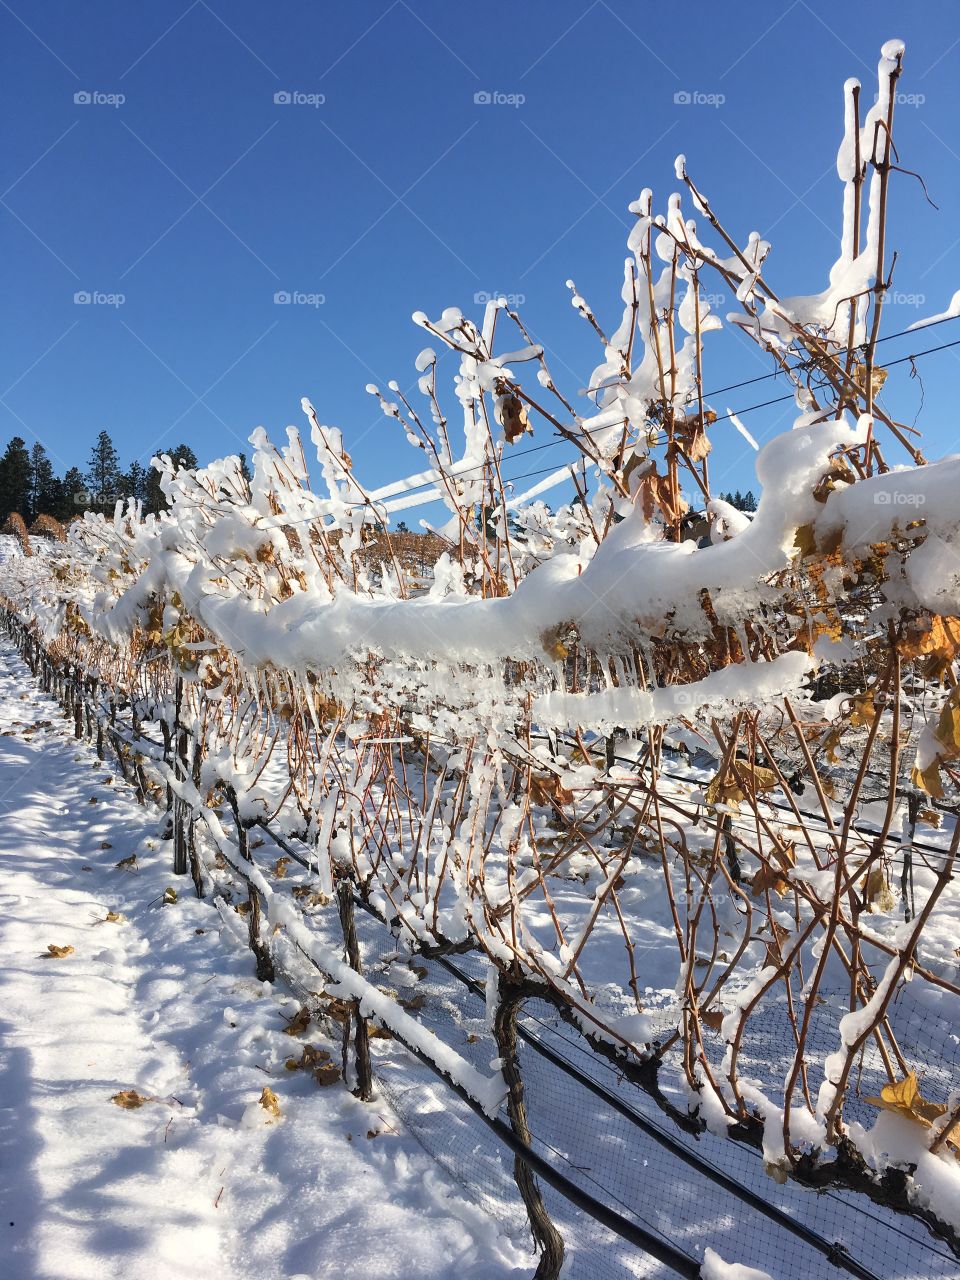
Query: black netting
x=605 y=1153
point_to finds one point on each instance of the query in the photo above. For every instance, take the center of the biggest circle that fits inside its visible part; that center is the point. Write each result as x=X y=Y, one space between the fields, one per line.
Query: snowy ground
x=193 y=1182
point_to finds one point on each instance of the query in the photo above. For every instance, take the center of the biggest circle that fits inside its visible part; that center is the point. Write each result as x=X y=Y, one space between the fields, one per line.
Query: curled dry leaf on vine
x=903 y=1098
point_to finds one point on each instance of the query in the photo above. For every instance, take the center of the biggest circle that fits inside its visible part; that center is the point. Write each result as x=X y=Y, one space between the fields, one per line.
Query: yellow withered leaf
x=770 y=874
x=712 y=1018
x=947 y=734
x=312 y=1059
x=545 y=788
x=862 y=710
x=270 y=1103
x=696 y=444
x=773 y=946
x=804 y=541
x=903 y=1097
x=935 y=635
x=327 y=1074
x=947 y=731
x=552 y=642
x=863 y=376
x=928 y=779
x=298 y=1023
x=129 y=1099
x=877 y=892
x=513 y=415
x=53 y=952
x=729 y=788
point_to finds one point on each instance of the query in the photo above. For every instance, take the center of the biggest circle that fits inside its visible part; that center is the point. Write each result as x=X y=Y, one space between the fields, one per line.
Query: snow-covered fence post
x=361 y=1040
x=510 y=995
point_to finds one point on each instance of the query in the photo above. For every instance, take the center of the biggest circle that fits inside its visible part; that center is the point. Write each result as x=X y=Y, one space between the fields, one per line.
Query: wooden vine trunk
x=361 y=1039
x=510 y=996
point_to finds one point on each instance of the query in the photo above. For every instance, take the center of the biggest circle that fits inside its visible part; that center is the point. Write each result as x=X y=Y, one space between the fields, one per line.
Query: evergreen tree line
x=29 y=484
x=742 y=501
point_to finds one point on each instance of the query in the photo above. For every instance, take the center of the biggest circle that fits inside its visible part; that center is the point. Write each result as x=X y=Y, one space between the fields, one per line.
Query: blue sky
x=199 y=197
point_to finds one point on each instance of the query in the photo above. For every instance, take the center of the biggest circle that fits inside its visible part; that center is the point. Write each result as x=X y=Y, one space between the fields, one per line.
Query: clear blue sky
x=200 y=197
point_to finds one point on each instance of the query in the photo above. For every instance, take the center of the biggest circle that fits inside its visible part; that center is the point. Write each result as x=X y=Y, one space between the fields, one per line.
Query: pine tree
x=15 y=479
x=103 y=476
x=133 y=482
x=74 y=495
x=183 y=456
x=44 y=485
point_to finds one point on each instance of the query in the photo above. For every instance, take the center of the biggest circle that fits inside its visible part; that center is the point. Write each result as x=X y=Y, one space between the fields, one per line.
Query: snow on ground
x=194 y=1182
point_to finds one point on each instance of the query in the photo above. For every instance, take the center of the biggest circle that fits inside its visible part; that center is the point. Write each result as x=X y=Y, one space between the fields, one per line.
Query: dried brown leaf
x=129 y=1099
x=53 y=952
x=270 y=1103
